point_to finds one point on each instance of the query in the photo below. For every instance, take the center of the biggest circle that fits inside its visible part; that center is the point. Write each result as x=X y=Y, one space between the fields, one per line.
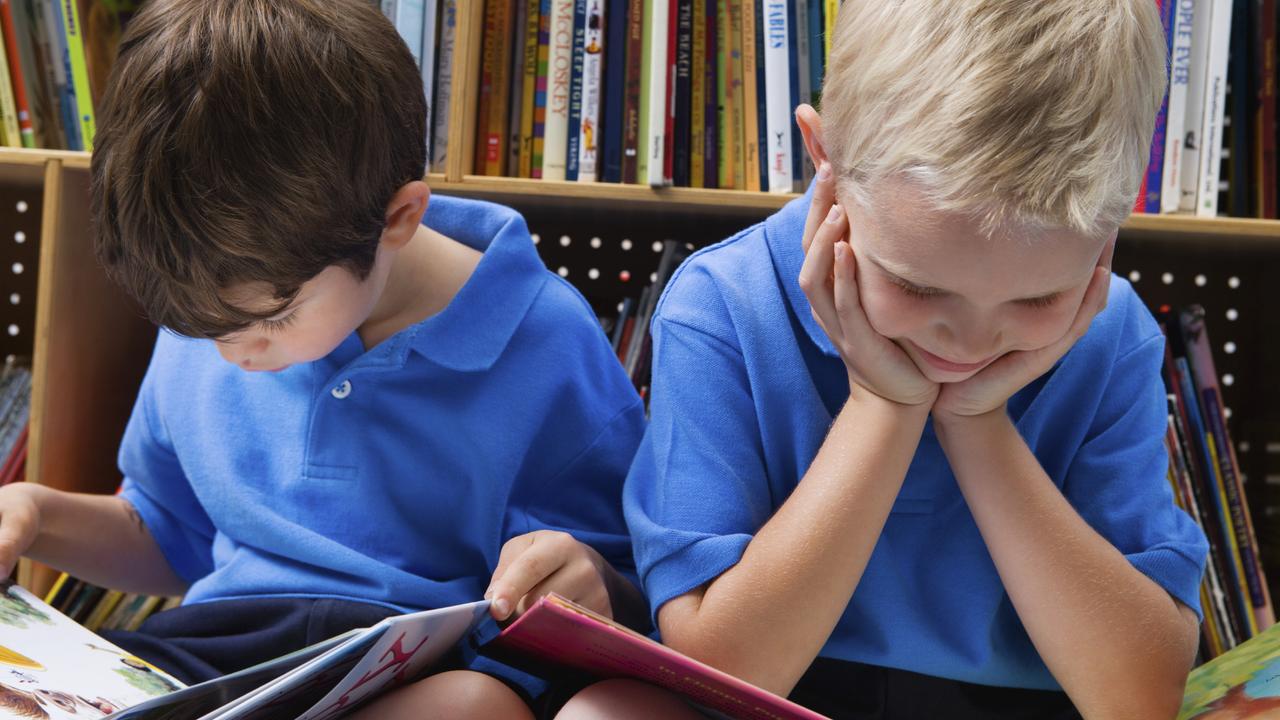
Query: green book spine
x=79 y=71
x=646 y=82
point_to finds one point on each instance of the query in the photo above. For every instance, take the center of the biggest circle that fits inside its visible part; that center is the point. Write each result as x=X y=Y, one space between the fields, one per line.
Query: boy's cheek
x=888 y=316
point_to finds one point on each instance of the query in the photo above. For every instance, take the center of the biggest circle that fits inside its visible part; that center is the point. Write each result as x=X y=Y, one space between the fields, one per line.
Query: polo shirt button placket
x=342 y=391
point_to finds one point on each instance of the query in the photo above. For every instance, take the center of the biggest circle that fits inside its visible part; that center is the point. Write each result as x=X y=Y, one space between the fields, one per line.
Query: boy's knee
x=625 y=699
x=453 y=694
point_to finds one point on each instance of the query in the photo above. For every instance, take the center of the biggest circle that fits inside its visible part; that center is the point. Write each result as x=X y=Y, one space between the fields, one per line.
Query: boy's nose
x=966 y=343
x=242 y=352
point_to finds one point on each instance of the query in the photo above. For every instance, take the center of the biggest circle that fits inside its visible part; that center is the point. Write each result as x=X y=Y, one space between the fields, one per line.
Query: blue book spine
x=1155 y=162
x=761 y=111
x=615 y=54
x=70 y=111
x=575 y=91
x=797 y=146
x=816 y=50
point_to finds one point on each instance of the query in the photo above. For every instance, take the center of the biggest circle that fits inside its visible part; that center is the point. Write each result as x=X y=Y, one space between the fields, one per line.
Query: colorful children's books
x=558 y=631
x=55 y=669
x=1244 y=683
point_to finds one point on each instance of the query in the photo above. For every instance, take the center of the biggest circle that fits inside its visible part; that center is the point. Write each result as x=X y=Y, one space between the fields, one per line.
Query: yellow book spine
x=530 y=79
x=79 y=71
x=8 y=106
x=737 y=110
x=829 y=11
x=103 y=609
x=57 y=587
x=1240 y=587
x=750 y=101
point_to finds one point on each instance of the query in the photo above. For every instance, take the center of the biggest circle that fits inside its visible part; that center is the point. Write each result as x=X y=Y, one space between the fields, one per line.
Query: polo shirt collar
x=472 y=332
x=784 y=232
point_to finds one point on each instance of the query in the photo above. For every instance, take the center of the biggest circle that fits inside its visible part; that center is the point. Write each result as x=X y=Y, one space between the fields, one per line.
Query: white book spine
x=777 y=86
x=444 y=85
x=1176 y=118
x=409 y=24
x=659 y=17
x=1193 y=131
x=430 y=12
x=389 y=9
x=592 y=78
x=555 y=142
x=1215 y=96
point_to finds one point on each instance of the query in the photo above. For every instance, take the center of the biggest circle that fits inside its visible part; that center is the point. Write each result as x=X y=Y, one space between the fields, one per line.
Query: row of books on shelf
x=628 y=331
x=15 y=411
x=1215 y=139
x=691 y=93
x=1206 y=480
x=99 y=609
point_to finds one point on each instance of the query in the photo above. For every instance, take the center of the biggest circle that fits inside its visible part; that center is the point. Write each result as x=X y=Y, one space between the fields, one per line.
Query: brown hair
x=250 y=141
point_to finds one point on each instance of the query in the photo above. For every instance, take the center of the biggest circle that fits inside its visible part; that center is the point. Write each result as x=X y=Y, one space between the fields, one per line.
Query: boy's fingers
x=537 y=563
x=11 y=544
x=817 y=269
x=824 y=195
x=510 y=551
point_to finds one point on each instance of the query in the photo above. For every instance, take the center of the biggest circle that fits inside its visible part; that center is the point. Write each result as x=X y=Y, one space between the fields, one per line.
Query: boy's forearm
x=100 y=539
x=1116 y=641
x=767 y=618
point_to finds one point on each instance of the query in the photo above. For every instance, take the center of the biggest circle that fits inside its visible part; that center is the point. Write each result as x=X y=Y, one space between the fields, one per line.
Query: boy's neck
x=425 y=276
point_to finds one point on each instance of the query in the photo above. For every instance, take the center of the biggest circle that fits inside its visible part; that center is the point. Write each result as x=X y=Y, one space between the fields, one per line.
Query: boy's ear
x=404 y=214
x=1108 y=251
x=811 y=130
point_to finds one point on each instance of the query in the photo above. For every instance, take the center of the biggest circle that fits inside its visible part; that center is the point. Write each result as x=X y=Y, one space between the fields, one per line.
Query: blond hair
x=1032 y=111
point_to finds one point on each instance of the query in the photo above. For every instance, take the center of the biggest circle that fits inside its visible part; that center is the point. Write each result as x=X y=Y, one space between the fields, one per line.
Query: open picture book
x=1242 y=683
x=53 y=668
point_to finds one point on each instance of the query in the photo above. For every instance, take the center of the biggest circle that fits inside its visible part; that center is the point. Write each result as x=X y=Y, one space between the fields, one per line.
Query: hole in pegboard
x=20 y=207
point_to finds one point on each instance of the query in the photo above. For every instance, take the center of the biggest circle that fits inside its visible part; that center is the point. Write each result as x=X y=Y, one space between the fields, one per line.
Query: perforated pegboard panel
x=20 y=212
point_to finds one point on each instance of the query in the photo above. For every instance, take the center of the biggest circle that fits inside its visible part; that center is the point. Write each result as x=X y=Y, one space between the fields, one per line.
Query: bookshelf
x=90 y=345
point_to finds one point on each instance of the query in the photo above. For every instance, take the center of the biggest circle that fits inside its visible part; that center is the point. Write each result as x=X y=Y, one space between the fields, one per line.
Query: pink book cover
x=557 y=630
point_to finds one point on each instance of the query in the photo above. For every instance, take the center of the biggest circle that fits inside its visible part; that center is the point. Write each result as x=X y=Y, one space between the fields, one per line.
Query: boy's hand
x=543 y=562
x=829 y=280
x=19 y=523
x=992 y=387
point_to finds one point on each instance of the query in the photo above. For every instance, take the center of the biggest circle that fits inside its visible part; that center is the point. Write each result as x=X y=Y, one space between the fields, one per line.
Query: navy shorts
x=853 y=691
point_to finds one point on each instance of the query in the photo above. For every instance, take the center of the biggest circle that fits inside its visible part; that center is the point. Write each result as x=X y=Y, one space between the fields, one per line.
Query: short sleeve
x=1118 y=479
x=698 y=491
x=156 y=487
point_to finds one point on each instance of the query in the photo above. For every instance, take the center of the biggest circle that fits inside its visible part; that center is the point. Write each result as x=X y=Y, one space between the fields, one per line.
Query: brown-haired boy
x=367 y=414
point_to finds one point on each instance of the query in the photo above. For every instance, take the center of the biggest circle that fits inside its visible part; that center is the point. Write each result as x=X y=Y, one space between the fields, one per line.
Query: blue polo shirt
x=745 y=387
x=392 y=475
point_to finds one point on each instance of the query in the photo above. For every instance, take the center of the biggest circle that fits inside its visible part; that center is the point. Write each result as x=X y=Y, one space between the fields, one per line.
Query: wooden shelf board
x=24 y=156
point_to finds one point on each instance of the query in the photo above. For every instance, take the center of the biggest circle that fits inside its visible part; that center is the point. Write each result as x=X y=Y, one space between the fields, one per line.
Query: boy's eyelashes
x=921 y=293
x=278 y=324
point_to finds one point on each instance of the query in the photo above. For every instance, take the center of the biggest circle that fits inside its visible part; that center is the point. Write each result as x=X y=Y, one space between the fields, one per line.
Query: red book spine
x=631 y=85
x=15 y=70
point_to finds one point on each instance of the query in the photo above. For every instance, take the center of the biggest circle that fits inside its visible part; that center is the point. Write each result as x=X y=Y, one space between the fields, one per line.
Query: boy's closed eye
x=921 y=292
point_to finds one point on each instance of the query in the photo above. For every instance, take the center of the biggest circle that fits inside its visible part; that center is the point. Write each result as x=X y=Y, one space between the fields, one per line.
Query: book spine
x=488 y=71
x=1266 y=170
x=611 y=122
x=829 y=10
x=761 y=111
x=633 y=75
x=25 y=128
x=389 y=9
x=711 y=109
x=797 y=153
x=724 y=98
x=1176 y=110
x=737 y=112
x=62 y=67
x=540 y=92
x=430 y=35
x=1239 y=128
x=659 y=21
x=646 y=88
x=518 y=98
x=592 y=77
x=574 y=134
x=682 y=164
x=750 y=100
x=408 y=21
x=8 y=106
x=778 y=95
x=500 y=101
x=529 y=83
x=817 y=53
x=559 y=80
x=1215 y=96
x=444 y=84
x=669 y=117
x=1152 y=182
x=697 y=94
x=1198 y=72
x=804 y=72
